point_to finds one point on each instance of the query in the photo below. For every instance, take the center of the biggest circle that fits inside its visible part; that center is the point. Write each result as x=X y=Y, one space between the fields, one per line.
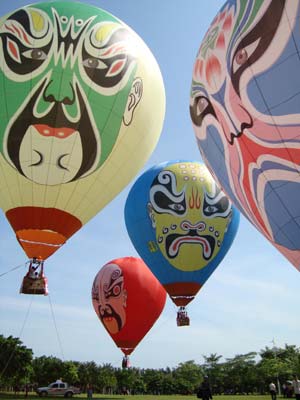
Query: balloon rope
x=20 y=334
x=55 y=325
x=12 y=269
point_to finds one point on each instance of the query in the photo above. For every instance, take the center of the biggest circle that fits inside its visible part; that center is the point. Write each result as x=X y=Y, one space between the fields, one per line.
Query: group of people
x=295 y=384
x=204 y=391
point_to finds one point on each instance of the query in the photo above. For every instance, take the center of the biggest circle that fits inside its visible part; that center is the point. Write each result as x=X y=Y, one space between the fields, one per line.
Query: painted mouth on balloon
x=55 y=124
x=108 y=319
x=111 y=320
x=111 y=325
x=174 y=243
x=49 y=131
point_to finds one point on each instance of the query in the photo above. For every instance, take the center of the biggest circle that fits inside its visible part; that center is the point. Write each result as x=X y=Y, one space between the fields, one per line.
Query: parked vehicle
x=58 y=389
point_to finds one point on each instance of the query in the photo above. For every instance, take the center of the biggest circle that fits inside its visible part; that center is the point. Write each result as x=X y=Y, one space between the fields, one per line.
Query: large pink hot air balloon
x=245 y=108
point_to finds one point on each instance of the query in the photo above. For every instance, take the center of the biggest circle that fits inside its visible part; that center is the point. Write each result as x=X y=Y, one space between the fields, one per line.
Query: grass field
x=32 y=396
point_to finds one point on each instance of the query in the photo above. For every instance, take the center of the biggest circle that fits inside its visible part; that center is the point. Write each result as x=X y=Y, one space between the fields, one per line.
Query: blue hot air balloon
x=182 y=225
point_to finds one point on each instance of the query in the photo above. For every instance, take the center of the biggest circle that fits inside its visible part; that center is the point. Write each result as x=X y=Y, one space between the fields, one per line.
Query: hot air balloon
x=245 y=109
x=128 y=299
x=182 y=225
x=82 y=105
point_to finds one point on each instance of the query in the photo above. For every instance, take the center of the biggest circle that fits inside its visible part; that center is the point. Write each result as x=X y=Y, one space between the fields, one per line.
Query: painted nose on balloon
x=187 y=225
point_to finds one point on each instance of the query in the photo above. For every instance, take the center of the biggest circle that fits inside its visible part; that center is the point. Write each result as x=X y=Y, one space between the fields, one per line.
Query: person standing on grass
x=89 y=392
x=204 y=390
x=273 y=391
x=296 y=387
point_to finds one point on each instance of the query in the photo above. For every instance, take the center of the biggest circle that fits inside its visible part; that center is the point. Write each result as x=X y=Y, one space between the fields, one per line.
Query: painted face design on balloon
x=67 y=73
x=110 y=296
x=190 y=215
x=245 y=111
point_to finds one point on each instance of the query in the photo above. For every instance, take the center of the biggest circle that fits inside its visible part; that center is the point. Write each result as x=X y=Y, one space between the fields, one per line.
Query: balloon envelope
x=245 y=109
x=181 y=224
x=80 y=93
x=128 y=299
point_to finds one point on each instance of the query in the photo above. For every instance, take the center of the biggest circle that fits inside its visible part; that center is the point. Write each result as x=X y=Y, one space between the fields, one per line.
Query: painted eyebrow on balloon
x=166 y=198
x=198 y=89
x=165 y=184
x=18 y=24
x=270 y=19
x=106 y=63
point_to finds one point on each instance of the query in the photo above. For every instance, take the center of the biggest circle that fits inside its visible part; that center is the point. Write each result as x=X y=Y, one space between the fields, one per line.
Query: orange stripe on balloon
x=40 y=244
x=42 y=218
x=42 y=231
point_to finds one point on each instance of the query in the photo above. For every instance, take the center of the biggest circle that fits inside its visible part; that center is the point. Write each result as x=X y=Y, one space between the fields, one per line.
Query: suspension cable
x=56 y=330
x=13 y=269
x=20 y=334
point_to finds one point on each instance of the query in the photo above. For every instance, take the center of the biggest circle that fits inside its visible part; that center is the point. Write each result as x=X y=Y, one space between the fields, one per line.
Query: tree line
x=243 y=373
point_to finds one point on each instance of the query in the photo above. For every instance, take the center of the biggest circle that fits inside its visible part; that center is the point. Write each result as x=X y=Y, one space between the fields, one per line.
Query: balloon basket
x=182 y=317
x=34 y=282
x=125 y=362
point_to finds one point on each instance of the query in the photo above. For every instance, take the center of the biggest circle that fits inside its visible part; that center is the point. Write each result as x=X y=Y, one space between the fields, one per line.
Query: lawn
x=32 y=396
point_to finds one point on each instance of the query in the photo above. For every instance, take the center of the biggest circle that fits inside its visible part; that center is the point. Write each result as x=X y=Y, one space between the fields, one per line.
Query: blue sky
x=252 y=297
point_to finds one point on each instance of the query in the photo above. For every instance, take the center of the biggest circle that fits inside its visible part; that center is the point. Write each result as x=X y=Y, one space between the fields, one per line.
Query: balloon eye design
x=202 y=104
x=241 y=57
x=35 y=54
x=116 y=290
x=200 y=108
x=210 y=209
x=93 y=63
x=176 y=207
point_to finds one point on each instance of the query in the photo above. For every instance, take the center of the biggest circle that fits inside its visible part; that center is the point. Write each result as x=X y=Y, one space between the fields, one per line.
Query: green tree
x=214 y=370
x=153 y=379
x=70 y=372
x=88 y=373
x=238 y=373
x=168 y=384
x=278 y=364
x=47 y=370
x=106 y=380
x=15 y=362
x=126 y=379
x=187 y=377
